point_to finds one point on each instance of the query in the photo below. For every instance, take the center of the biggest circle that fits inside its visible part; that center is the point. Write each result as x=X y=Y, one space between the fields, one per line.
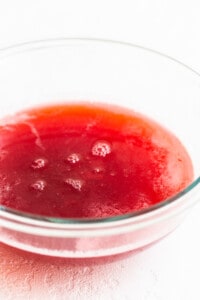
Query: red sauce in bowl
x=83 y=160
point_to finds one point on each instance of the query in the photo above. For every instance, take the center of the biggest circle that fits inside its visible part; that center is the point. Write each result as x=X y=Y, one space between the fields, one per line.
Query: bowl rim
x=13 y=214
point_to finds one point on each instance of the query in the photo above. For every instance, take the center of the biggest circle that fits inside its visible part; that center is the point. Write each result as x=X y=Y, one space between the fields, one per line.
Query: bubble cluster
x=76 y=184
x=39 y=185
x=73 y=158
x=101 y=148
x=39 y=163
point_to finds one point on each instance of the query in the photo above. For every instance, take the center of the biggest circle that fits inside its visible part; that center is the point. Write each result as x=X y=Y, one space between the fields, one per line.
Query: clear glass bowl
x=51 y=71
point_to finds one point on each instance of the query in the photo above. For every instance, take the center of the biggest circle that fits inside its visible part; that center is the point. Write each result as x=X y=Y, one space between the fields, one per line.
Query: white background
x=171 y=269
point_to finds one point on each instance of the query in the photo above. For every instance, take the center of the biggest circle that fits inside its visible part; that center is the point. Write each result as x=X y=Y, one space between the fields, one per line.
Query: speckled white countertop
x=168 y=270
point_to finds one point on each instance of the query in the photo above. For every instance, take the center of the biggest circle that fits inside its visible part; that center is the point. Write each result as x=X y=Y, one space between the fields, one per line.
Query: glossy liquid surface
x=83 y=160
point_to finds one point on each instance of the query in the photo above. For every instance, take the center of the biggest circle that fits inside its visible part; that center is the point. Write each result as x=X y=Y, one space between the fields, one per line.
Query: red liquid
x=88 y=161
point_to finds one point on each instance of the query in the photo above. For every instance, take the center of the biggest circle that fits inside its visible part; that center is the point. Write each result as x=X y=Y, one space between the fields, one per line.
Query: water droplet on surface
x=39 y=163
x=101 y=148
x=73 y=158
x=39 y=185
x=76 y=184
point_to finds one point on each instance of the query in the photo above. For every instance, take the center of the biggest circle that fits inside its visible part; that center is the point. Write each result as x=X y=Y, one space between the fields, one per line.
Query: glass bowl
x=123 y=74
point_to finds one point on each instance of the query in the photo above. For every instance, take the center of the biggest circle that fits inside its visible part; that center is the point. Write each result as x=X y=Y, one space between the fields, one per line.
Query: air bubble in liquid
x=101 y=148
x=98 y=170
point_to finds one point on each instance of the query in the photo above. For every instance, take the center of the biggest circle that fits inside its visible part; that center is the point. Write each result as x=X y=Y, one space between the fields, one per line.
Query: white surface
x=170 y=269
